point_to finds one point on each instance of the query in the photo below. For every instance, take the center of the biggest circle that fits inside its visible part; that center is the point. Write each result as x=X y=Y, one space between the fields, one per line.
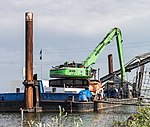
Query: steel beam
x=128 y=68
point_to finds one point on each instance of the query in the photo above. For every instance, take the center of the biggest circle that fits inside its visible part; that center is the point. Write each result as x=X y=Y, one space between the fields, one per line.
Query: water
x=145 y=93
x=105 y=118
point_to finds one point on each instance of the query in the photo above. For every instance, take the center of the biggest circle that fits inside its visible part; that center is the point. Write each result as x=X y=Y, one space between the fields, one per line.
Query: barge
x=51 y=99
x=14 y=102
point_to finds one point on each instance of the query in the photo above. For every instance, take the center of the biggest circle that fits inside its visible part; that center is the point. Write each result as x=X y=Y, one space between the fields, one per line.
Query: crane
x=84 y=70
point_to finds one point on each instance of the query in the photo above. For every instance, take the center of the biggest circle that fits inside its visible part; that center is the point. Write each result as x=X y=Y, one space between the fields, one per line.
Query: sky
x=69 y=30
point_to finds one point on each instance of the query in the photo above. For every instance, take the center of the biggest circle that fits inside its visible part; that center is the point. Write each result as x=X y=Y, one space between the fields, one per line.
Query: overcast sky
x=68 y=30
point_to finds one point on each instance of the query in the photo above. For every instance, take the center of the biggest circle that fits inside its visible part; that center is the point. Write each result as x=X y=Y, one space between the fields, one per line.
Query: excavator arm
x=91 y=59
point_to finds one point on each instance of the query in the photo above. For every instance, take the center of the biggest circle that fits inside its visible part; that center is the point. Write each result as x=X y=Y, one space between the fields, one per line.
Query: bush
x=140 y=119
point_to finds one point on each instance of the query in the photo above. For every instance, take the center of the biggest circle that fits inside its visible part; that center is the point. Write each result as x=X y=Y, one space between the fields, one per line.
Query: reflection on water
x=104 y=118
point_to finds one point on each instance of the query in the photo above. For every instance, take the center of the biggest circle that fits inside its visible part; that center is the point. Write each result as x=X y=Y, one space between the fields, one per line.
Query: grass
x=59 y=120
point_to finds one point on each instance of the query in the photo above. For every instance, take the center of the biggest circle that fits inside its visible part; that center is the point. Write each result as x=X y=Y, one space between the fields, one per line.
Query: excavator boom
x=91 y=59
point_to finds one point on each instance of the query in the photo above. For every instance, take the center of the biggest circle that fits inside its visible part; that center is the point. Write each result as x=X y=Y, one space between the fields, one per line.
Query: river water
x=104 y=118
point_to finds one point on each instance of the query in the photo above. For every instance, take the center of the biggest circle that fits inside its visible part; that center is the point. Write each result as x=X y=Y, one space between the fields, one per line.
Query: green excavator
x=84 y=70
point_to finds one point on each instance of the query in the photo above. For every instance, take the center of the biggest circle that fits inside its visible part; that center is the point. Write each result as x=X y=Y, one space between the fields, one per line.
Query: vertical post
x=110 y=68
x=41 y=61
x=29 y=82
x=141 y=74
x=98 y=74
x=110 y=63
x=41 y=69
